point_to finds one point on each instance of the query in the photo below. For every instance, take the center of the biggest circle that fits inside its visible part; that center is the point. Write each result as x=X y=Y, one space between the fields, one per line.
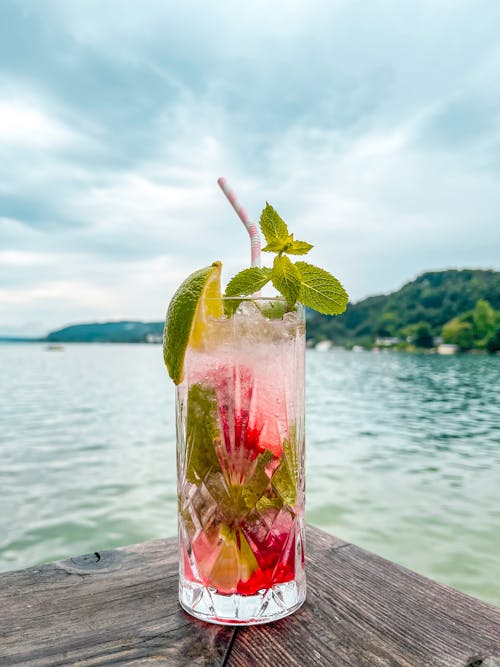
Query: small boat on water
x=55 y=347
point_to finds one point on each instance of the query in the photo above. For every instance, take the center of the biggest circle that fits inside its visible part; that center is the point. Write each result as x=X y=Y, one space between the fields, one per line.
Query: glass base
x=265 y=606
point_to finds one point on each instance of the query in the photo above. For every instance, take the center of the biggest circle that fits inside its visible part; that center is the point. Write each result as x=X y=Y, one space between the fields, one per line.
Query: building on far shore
x=154 y=339
x=447 y=348
x=386 y=341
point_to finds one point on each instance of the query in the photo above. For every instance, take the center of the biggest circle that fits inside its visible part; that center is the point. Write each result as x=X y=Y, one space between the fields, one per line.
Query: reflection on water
x=403 y=455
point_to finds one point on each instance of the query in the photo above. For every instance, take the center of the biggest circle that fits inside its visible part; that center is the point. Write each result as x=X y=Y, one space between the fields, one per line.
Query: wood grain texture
x=115 y=608
x=364 y=610
x=120 y=608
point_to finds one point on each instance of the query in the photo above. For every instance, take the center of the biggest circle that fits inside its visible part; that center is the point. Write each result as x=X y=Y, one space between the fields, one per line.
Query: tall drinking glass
x=240 y=464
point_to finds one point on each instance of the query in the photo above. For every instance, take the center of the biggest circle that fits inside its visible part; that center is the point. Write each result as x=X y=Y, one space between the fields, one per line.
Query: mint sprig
x=296 y=281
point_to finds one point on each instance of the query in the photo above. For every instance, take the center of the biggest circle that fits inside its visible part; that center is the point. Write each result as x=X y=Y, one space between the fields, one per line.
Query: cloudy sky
x=373 y=128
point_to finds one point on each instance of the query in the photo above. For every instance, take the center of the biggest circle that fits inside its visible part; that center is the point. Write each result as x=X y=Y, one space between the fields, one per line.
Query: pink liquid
x=275 y=555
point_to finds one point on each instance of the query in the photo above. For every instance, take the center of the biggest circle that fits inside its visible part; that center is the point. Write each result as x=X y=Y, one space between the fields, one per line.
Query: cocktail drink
x=238 y=363
x=240 y=456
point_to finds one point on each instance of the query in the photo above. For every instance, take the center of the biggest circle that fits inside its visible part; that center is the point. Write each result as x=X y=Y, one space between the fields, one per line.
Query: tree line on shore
x=476 y=329
x=459 y=307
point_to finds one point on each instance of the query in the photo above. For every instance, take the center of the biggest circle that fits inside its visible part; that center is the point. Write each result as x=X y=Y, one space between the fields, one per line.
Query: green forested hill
x=107 y=332
x=435 y=297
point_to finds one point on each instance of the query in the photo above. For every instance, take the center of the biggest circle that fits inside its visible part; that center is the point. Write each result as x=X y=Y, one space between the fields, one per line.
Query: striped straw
x=251 y=227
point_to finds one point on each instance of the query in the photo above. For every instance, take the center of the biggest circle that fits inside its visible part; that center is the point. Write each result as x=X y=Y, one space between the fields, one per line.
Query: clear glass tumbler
x=240 y=464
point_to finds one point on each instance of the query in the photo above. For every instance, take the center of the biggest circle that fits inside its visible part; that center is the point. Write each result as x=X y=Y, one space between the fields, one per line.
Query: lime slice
x=235 y=561
x=197 y=299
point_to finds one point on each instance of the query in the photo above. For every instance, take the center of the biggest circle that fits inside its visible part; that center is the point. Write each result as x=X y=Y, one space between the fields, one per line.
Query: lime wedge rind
x=186 y=313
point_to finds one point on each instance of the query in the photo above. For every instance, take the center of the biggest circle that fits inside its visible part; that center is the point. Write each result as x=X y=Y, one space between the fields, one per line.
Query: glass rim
x=279 y=299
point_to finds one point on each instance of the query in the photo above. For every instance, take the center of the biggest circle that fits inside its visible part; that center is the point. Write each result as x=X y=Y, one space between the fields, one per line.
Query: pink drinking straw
x=252 y=229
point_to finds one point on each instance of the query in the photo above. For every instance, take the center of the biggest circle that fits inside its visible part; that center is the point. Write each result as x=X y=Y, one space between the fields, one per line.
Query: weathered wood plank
x=363 y=610
x=121 y=608
x=115 y=609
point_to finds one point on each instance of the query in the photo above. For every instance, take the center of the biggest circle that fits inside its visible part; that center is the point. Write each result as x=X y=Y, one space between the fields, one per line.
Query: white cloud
x=25 y=259
x=63 y=292
x=23 y=124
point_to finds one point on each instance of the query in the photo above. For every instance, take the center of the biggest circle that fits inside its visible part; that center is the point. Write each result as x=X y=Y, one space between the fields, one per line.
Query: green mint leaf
x=314 y=287
x=286 y=278
x=285 y=479
x=201 y=434
x=320 y=290
x=273 y=226
x=282 y=245
x=244 y=283
x=248 y=281
x=255 y=485
x=266 y=503
x=274 y=246
x=298 y=248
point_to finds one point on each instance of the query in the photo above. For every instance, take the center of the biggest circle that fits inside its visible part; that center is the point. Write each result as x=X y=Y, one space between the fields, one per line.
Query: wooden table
x=120 y=607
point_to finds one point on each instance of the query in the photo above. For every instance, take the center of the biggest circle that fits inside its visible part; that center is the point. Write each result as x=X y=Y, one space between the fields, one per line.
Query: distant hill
x=107 y=332
x=20 y=339
x=434 y=297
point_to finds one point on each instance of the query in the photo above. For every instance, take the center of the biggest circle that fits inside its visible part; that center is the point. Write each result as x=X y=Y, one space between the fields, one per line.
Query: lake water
x=403 y=455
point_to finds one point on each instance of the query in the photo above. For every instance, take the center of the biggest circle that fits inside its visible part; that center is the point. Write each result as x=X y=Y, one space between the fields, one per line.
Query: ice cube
x=248 y=309
x=249 y=323
x=290 y=318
